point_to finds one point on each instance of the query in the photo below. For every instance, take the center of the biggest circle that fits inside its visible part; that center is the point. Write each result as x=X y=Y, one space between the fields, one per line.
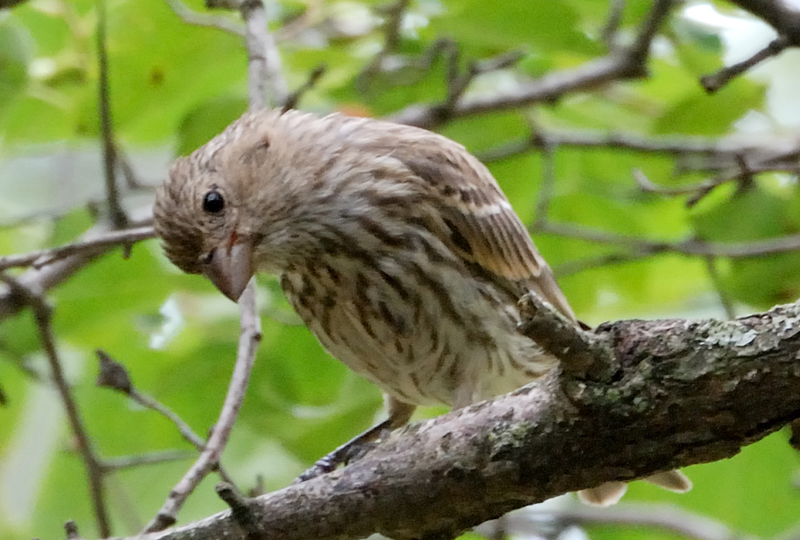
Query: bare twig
x=716 y=280
x=42 y=257
x=691 y=246
x=615 y=11
x=457 y=84
x=782 y=16
x=51 y=275
x=114 y=375
x=580 y=265
x=675 y=146
x=129 y=462
x=242 y=511
x=668 y=518
x=547 y=187
x=712 y=83
x=699 y=190
x=43 y=315
x=209 y=458
x=116 y=213
x=648 y=186
x=391 y=30
x=581 y=353
x=623 y=64
x=132 y=181
x=194 y=18
x=293 y=98
x=266 y=84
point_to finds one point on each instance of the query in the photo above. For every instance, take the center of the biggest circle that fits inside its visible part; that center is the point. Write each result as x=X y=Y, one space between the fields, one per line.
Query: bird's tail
x=611 y=492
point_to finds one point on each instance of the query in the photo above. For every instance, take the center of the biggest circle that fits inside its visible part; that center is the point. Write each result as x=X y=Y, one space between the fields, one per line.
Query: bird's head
x=199 y=216
x=241 y=202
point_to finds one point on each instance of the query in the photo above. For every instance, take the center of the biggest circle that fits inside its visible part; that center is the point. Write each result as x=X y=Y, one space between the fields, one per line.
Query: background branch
x=43 y=315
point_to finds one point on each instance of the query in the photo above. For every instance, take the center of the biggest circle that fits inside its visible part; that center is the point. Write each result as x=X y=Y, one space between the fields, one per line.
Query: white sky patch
x=742 y=37
x=171 y=327
x=29 y=455
x=38 y=436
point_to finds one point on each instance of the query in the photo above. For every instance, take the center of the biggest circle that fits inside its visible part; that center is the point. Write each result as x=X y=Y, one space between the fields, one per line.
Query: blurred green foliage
x=174 y=86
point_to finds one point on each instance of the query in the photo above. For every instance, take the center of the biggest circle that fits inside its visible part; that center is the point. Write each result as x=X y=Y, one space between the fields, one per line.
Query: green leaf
x=701 y=114
x=16 y=51
x=207 y=120
x=475 y=23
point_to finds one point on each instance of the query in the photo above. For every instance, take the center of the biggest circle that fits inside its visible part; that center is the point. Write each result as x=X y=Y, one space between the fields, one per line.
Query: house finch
x=394 y=244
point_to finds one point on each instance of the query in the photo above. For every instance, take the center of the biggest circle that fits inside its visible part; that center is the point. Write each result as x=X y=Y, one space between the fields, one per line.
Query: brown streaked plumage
x=394 y=244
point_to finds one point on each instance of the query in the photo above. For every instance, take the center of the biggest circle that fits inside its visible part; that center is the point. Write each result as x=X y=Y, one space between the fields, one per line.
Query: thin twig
x=293 y=98
x=623 y=64
x=126 y=168
x=689 y=246
x=42 y=257
x=640 y=49
x=613 y=21
x=668 y=518
x=716 y=280
x=674 y=146
x=114 y=375
x=115 y=210
x=194 y=18
x=391 y=31
x=183 y=428
x=712 y=83
x=648 y=186
x=43 y=315
x=51 y=275
x=581 y=265
x=457 y=84
x=129 y=462
x=209 y=458
x=547 y=187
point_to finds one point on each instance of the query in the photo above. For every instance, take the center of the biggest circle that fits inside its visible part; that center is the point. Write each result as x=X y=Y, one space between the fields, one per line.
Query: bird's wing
x=483 y=228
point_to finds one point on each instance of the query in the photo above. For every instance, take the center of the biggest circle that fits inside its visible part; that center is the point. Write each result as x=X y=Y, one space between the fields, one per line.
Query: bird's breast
x=424 y=331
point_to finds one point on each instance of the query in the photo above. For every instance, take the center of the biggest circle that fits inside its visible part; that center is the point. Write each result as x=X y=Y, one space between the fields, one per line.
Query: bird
x=394 y=244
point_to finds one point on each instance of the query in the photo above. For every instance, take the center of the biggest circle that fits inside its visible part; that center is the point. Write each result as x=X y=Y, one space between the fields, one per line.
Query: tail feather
x=672 y=480
x=604 y=494
x=611 y=492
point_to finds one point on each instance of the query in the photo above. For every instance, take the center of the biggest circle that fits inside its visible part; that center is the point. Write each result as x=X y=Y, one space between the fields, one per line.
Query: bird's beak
x=231 y=267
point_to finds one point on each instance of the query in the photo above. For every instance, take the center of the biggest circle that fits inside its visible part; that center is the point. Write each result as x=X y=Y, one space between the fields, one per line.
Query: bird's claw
x=324 y=465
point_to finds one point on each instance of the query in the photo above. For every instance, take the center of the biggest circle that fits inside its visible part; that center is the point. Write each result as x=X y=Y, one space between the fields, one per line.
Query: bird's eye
x=213 y=202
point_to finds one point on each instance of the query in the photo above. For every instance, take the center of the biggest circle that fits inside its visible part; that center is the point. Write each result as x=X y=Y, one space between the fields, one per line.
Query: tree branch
x=778 y=14
x=42 y=313
x=43 y=257
x=42 y=279
x=116 y=213
x=619 y=65
x=683 y=392
x=209 y=458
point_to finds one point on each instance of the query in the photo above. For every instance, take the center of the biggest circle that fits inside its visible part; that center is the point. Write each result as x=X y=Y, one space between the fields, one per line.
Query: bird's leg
x=399 y=414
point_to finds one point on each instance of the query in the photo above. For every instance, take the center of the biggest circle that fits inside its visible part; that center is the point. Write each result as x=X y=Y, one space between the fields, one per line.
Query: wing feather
x=487 y=230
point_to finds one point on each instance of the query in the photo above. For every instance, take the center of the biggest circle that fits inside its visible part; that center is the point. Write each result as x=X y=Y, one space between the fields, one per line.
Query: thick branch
x=683 y=393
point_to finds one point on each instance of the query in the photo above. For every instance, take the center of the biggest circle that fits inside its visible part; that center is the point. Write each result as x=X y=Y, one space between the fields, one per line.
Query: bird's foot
x=350 y=451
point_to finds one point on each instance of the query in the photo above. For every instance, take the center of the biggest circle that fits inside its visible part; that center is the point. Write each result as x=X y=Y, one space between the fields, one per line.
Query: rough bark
x=675 y=393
